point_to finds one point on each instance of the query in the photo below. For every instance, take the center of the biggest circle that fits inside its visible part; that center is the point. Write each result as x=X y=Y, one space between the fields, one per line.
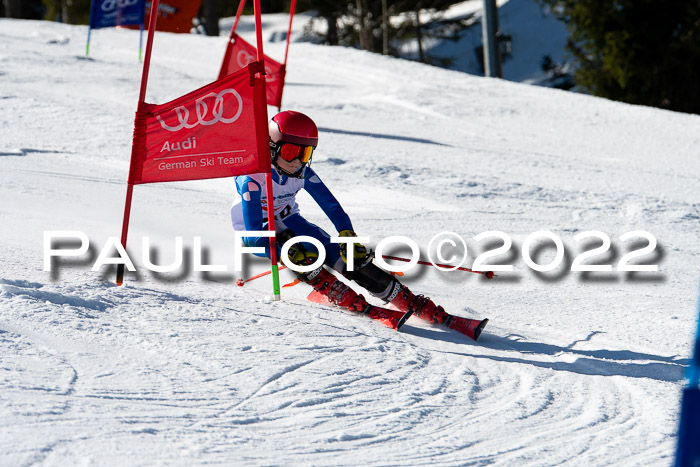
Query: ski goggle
x=290 y=152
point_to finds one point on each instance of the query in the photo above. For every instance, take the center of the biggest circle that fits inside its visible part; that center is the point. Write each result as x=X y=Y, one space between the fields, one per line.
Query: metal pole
x=492 y=52
x=385 y=29
x=92 y=21
x=142 y=98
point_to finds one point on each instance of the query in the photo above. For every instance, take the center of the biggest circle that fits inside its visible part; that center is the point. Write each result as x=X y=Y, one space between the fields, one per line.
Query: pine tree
x=68 y=11
x=374 y=24
x=22 y=9
x=638 y=51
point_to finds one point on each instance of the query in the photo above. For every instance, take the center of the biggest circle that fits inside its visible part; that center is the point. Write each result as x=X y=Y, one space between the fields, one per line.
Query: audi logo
x=244 y=58
x=208 y=112
x=111 y=5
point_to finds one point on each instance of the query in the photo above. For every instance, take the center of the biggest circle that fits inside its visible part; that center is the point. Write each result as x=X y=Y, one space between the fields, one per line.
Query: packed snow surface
x=181 y=368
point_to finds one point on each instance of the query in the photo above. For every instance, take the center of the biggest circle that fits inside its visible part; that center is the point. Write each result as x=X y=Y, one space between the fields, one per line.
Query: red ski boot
x=425 y=308
x=338 y=293
x=421 y=306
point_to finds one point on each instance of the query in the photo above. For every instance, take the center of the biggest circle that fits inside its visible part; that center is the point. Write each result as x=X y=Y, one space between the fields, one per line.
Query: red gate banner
x=219 y=130
x=239 y=54
x=174 y=15
x=208 y=133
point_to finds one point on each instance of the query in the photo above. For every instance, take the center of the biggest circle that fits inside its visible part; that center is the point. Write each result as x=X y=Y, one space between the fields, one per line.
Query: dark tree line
x=373 y=25
x=22 y=9
x=382 y=25
x=638 y=51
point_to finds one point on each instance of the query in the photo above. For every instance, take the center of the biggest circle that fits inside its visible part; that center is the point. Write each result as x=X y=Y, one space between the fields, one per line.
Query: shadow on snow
x=381 y=136
x=598 y=362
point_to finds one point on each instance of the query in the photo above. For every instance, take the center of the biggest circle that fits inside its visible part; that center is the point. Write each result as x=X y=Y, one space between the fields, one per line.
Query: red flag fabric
x=212 y=132
x=175 y=15
x=240 y=53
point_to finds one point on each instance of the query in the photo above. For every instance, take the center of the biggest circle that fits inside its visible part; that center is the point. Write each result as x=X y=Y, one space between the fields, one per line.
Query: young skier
x=293 y=138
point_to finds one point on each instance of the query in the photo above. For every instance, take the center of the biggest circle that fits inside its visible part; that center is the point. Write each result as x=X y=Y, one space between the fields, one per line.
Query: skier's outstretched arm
x=335 y=212
x=325 y=199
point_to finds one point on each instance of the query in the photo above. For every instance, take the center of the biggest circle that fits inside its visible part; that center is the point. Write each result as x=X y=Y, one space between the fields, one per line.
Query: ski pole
x=241 y=282
x=488 y=274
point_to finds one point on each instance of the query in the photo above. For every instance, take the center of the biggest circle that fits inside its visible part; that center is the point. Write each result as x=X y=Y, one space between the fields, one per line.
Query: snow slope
x=188 y=368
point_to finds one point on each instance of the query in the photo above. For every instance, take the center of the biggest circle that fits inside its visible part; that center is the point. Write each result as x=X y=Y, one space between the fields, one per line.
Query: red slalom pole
x=142 y=98
x=239 y=12
x=231 y=41
x=289 y=29
x=265 y=152
x=488 y=274
x=286 y=50
x=125 y=230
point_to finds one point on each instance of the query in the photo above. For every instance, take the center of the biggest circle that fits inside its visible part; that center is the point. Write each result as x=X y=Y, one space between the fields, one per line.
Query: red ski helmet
x=293 y=135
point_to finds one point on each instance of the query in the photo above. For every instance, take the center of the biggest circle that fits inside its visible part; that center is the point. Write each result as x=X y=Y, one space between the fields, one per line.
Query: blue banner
x=688 y=453
x=110 y=13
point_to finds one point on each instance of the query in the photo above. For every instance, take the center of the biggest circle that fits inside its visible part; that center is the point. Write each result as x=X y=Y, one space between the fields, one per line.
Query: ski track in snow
x=190 y=370
x=360 y=389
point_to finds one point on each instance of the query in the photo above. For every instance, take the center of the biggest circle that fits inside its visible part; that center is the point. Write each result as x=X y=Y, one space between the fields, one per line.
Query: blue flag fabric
x=688 y=453
x=110 y=13
x=694 y=369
